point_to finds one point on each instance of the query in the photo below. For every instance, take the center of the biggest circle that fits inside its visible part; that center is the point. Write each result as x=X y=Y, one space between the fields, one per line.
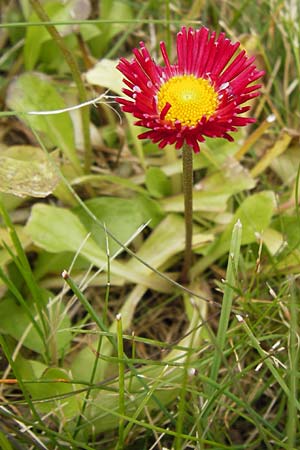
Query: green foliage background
x=101 y=346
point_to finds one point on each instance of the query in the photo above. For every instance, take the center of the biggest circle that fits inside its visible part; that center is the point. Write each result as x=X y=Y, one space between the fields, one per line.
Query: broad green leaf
x=273 y=240
x=106 y=75
x=26 y=171
x=58 y=385
x=57 y=11
x=215 y=189
x=121 y=216
x=150 y=209
x=6 y=237
x=289 y=226
x=158 y=184
x=35 y=92
x=98 y=180
x=202 y=201
x=59 y=230
x=168 y=239
x=113 y=11
x=286 y=165
x=50 y=382
x=276 y=150
x=231 y=178
x=55 y=263
x=255 y=214
x=15 y=322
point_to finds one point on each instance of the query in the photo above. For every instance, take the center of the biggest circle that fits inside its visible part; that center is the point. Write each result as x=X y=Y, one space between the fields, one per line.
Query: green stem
x=187 y=168
x=74 y=69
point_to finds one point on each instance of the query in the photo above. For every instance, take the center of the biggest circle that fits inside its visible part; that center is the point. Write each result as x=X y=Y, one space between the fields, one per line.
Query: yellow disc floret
x=190 y=98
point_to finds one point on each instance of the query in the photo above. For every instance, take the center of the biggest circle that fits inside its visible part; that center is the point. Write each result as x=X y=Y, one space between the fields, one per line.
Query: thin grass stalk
x=45 y=430
x=74 y=69
x=159 y=430
x=88 y=307
x=19 y=377
x=187 y=169
x=23 y=265
x=267 y=360
x=182 y=401
x=232 y=266
x=121 y=366
x=98 y=350
x=102 y=326
x=293 y=369
x=143 y=403
x=13 y=289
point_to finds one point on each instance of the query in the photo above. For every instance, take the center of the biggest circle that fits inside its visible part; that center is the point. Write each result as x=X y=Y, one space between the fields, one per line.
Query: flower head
x=200 y=95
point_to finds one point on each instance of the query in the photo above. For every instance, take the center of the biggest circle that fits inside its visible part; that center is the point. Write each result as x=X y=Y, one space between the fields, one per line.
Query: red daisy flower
x=201 y=95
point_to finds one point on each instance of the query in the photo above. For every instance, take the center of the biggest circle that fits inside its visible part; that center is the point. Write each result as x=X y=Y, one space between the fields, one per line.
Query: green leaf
x=150 y=209
x=202 y=201
x=26 y=171
x=35 y=92
x=57 y=11
x=113 y=11
x=215 y=189
x=168 y=239
x=15 y=322
x=51 y=383
x=105 y=74
x=62 y=408
x=55 y=263
x=56 y=229
x=59 y=230
x=158 y=184
x=122 y=217
x=5 y=236
x=255 y=214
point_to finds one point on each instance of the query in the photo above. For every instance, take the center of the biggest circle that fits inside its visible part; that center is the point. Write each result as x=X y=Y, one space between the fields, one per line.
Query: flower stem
x=187 y=169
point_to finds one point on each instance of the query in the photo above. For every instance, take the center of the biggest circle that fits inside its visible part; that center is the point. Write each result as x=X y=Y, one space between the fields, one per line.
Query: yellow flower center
x=190 y=98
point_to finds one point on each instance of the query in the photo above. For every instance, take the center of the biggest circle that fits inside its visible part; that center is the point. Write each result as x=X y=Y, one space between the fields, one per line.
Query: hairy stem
x=187 y=166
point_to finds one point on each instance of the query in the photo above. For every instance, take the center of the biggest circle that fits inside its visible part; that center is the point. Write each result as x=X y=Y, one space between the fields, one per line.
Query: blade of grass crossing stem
x=99 y=345
x=15 y=291
x=267 y=360
x=143 y=403
x=182 y=407
x=88 y=307
x=294 y=367
x=121 y=365
x=19 y=377
x=44 y=430
x=23 y=265
x=232 y=266
x=102 y=327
